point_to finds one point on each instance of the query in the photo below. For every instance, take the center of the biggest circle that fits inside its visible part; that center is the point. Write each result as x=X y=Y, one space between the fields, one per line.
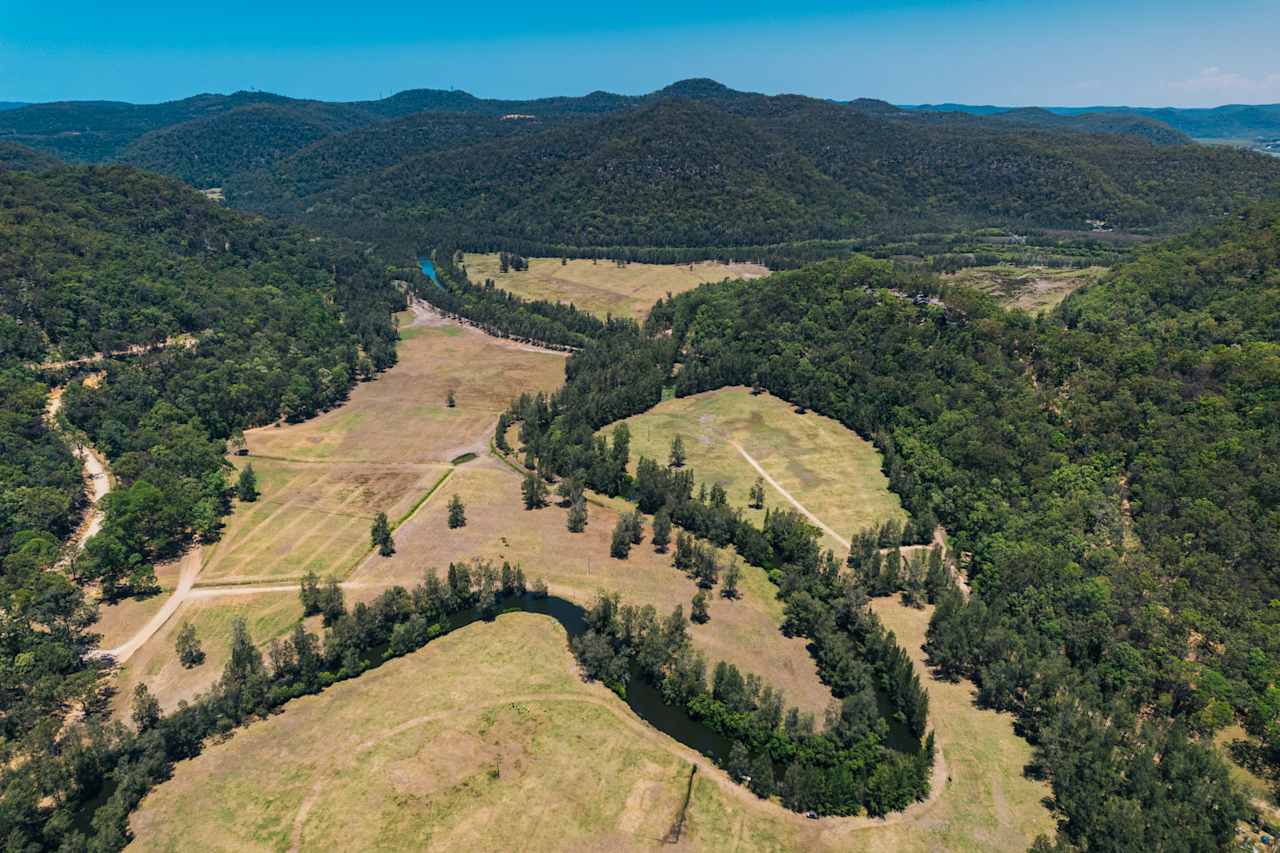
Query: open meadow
x=489 y=731
x=826 y=468
x=488 y=734
x=602 y=287
x=1036 y=290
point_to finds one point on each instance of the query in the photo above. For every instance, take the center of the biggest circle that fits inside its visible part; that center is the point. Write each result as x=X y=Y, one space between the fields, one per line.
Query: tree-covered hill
x=98 y=259
x=738 y=169
x=204 y=152
x=20 y=158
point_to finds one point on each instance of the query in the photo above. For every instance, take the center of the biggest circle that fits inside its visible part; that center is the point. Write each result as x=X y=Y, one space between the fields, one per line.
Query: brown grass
x=578 y=565
x=603 y=287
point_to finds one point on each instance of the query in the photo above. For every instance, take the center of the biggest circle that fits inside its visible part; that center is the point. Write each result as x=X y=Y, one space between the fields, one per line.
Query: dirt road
x=97 y=482
x=190 y=568
x=790 y=497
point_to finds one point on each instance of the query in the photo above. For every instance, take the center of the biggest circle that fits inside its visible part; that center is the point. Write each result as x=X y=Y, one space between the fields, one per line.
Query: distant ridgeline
x=680 y=174
x=92 y=260
x=1110 y=471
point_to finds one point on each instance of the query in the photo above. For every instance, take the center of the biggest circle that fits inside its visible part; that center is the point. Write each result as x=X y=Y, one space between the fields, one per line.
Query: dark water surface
x=642 y=697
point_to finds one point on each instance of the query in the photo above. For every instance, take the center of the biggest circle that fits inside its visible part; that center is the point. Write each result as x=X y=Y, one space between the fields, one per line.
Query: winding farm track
x=97 y=479
x=790 y=497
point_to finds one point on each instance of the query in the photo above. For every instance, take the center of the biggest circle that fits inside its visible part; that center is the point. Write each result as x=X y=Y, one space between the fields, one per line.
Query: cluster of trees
x=845 y=769
x=509 y=261
x=78 y=791
x=505 y=315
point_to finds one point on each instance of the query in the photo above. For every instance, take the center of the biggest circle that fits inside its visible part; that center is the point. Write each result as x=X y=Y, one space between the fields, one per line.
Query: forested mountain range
x=1225 y=122
x=694 y=164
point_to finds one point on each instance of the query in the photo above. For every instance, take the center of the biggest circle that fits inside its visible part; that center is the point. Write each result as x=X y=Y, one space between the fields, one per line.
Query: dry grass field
x=267 y=616
x=827 y=468
x=578 y=565
x=604 y=287
x=324 y=480
x=1033 y=289
x=487 y=735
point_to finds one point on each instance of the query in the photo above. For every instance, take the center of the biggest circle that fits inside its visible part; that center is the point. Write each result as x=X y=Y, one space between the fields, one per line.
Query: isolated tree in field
x=449 y=399
x=500 y=433
x=698 y=607
x=729 y=589
x=676 y=460
x=380 y=535
x=757 y=494
x=683 y=559
x=188 y=646
x=534 y=492
x=661 y=531
x=310 y=595
x=146 y=710
x=570 y=490
x=635 y=526
x=457 y=513
x=620 y=545
x=539 y=588
x=247 y=485
x=706 y=569
x=577 y=520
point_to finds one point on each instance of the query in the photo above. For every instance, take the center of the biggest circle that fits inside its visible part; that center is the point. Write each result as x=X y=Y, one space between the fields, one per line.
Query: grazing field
x=324 y=480
x=311 y=517
x=578 y=565
x=402 y=417
x=604 y=287
x=488 y=735
x=1033 y=289
x=267 y=616
x=826 y=467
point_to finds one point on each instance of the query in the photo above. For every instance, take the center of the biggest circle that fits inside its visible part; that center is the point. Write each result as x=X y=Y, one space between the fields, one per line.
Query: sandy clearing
x=189 y=569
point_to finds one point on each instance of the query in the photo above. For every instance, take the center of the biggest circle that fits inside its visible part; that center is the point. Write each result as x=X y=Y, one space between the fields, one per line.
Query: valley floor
x=489 y=730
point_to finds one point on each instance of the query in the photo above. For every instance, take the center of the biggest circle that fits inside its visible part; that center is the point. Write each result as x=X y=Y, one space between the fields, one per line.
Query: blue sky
x=979 y=51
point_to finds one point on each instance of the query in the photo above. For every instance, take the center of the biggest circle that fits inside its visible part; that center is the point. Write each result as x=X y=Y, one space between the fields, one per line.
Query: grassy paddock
x=488 y=734
x=603 y=287
x=826 y=467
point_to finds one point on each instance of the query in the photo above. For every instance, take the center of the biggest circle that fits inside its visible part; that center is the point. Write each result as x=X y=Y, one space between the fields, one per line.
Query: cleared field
x=1033 y=289
x=578 y=565
x=267 y=615
x=487 y=735
x=604 y=287
x=324 y=480
x=827 y=468
x=311 y=517
x=402 y=417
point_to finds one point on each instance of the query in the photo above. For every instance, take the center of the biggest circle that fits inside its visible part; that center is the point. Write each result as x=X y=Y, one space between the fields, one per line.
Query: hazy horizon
x=1085 y=53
